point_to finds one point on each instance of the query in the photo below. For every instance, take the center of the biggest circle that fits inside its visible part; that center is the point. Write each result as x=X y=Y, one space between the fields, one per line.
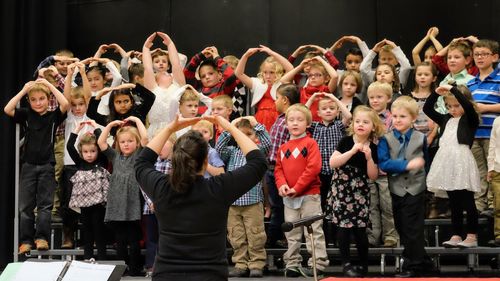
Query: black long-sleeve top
x=192 y=225
x=79 y=162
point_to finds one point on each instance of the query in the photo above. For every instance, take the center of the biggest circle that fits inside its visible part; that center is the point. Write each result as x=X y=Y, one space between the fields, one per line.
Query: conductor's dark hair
x=188 y=157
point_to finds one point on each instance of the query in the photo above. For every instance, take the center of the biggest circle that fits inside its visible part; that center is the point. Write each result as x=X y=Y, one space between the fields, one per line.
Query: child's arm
x=240 y=68
x=214 y=158
x=148 y=98
x=396 y=166
x=143 y=132
x=101 y=141
x=492 y=149
x=173 y=56
x=149 y=75
x=67 y=83
x=415 y=53
x=332 y=60
x=404 y=63
x=332 y=83
x=339 y=159
x=469 y=110
x=70 y=146
x=222 y=146
x=299 y=51
x=435 y=42
x=311 y=100
x=10 y=107
x=63 y=102
x=190 y=69
x=125 y=56
x=346 y=114
x=288 y=77
x=366 y=65
x=311 y=171
x=287 y=66
x=261 y=133
x=371 y=166
x=430 y=111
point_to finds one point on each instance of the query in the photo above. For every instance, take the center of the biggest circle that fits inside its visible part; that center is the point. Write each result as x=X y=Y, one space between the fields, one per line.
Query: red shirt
x=306 y=93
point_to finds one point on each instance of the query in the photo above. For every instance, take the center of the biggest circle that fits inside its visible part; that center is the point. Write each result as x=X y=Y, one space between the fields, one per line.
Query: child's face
x=219 y=109
x=280 y=103
x=454 y=107
x=384 y=74
x=166 y=150
x=484 y=58
x=402 y=120
x=429 y=53
x=316 y=77
x=96 y=81
x=250 y=133
x=352 y=62
x=378 y=100
x=160 y=63
x=209 y=76
x=39 y=101
x=424 y=76
x=269 y=75
x=387 y=57
x=349 y=86
x=362 y=124
x=78 y=107
x=296 y=122
x=456 y=61
x=189 y=109
x=122 y=104
x=62 y=66
x=128 y=143
x=204 y=131
x=89 y=152
x=327 y=110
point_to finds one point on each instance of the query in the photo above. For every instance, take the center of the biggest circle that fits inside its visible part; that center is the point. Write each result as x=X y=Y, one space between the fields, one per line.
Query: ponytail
x=188 y=157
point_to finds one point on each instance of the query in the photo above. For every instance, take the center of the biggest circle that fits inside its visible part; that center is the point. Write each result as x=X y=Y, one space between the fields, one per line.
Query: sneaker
x=41 y=244
x=24 y=248
x=390 y=243
x=350 y=271
x=308 y=272
x=238 y=272
x=292 y=272
x=256 y=273
x=468 y=243
x=452 y=243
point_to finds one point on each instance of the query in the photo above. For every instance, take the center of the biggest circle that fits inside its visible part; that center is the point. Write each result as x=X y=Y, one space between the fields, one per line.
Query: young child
x=354 y=56
x=123 y=210
x=286 y=95
x=90 y=183
x=454 y=169
x=354 y=162
x=494 y=178
x=387 y=73
x=485 y=89
x=215 y=164
x=351 y=85
x=240 y=96
x=379 y=96
x=458 y=57
x=440 y=59
x=221 y=106
x=245 y=223
x=302 y=79
x=402 y=153
x=298 y=164
x=264 y=86
x=187 y=101
x=37 y=171
x=327 y=134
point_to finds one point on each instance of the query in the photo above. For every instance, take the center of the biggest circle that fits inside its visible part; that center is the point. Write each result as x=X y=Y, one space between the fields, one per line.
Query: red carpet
x=409 y=279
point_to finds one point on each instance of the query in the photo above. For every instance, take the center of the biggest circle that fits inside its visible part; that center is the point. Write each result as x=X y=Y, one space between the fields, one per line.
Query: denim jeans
x=37 y=188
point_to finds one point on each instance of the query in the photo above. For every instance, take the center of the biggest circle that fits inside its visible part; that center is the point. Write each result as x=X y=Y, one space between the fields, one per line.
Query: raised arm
x=415 y=53
x=346 y=114
x=240 y=68
x=287 y=66
x=143 y=132
x=332 y=83
x=10 y=107
x=63 y=102
x=173 y=56
x=290 y=75
x=101 y=141
x=149 y=75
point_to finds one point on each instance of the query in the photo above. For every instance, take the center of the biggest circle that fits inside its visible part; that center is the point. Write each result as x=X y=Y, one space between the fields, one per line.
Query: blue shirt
x=214 y=160
x=395 y=166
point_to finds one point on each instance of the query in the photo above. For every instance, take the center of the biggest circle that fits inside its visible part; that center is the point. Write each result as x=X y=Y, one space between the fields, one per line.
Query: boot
x=68 y=238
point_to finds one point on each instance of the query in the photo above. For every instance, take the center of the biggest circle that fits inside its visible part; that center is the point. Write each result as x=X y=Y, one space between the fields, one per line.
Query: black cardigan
x=468 y=123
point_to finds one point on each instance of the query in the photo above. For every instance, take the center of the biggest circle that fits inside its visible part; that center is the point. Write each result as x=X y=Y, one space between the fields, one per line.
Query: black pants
x=344 y=241
x=128 y=233
x=69 y=217
x=461 y=200
x=409 y=215
x=326 y=184
x=93 y=231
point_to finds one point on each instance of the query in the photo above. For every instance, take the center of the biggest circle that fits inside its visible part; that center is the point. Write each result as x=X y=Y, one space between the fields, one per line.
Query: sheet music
x=39 y=271
x=81 y=271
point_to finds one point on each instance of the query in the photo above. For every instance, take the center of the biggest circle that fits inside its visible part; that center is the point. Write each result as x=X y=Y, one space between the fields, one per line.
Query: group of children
x=362 y=145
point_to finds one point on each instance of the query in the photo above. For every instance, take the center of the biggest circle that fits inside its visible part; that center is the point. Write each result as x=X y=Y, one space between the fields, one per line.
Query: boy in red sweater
x=298 y=164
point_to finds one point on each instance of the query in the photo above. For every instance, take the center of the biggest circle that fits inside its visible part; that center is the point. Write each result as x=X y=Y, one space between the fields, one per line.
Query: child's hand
x=441 y=90
x=331 y=96
x=433 y=32
x=489 y=176
x=471 y=38
x=132 y=119
x=87 y=60
x=318 y=48
x=299 y=51
x=338 y=44
x=125 y=86
x=218 y=120
x=252 y=120
x=206 y=52
x=149 y=41
x=266 y=49
x=352 y=39
x=214 y=52
x=102 y=49
x=79 y=126
x=44 y=82
x=236 y=120
x=104 y=91
x=367 y=151
x=252 y=51
x=283 y=190
x=115 y=123
x=291 y=192
x=357 y=147
x=390 y=43
x=379 y=46
x=165 y=37
x=102 y=60
x=415 y=163
x=118 y=49
x=28 y=86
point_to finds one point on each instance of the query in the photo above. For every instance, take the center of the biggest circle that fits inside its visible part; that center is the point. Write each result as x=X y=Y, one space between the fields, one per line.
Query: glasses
x=315 y=75
x=482 y=55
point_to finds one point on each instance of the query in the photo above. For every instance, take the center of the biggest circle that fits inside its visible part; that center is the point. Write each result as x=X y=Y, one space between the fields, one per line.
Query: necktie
x=403 y=143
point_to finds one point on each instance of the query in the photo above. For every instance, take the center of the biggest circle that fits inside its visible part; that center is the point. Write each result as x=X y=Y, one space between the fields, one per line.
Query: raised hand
x=166 y=39
x=379 y=46
x=444 y=89
x=149 y=41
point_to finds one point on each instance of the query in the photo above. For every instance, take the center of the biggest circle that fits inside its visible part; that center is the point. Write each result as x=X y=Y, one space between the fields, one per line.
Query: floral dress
x=349 y=197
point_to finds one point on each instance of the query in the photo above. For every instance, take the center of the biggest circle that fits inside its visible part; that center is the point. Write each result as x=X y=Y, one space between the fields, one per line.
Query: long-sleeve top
x=301 y=78
x=327 y=137
x=279 y=135
x=298 y=165
x=468 y=122
x=81 y=164
x=442 y=66
x=192 y=225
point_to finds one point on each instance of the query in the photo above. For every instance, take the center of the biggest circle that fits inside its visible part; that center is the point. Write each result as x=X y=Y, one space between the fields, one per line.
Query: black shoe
x=363 y=270
x=292 y=272
x=350 y=271
x=238 y=272
x=406 y=274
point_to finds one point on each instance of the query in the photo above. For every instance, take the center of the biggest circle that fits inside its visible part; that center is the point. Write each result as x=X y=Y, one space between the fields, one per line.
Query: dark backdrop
x=33 y=29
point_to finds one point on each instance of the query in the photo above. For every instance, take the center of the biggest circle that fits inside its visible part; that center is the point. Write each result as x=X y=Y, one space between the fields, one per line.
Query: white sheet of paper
x=39 y=271
x=81 y=271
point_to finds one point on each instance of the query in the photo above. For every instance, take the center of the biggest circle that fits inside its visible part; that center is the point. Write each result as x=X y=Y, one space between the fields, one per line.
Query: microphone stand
x=311 y=236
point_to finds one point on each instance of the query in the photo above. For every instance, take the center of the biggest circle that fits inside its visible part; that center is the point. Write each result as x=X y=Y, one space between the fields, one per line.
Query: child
x=240 y=92
x=485 y=89
x=458 y=57
x=494 y=179
x=37 y=171
x=215 y=164
x=245 y=223
x=454 y=169
x=402 y=153
x=379 y=96
x=298 y=164
x=354 y=56
x=351 y=85
x=322 y=78
x=354 y=162
x=266 y=83
x=90 y=183
x=327 y=134
x=221 y=106
x=440 y=58
x=123 y=210
x=430 y=51
x=187 y=101
x=301 y=79
x=286 y=95
x=387 y=73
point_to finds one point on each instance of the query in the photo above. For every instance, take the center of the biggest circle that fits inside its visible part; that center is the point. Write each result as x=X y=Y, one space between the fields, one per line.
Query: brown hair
x=357 y=78
x=378 y=126
x=39 y=87
x=188 y=95
x=396 y=85
x=87 y=139
x=461 y=46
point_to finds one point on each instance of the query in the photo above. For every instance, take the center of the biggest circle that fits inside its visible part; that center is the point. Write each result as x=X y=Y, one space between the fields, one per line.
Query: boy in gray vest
x=401 y=155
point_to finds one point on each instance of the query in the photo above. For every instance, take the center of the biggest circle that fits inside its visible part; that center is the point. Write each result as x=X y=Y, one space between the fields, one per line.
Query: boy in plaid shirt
x=245 y=224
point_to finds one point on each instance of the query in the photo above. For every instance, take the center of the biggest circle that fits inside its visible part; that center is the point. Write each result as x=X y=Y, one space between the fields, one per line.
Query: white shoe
x=452 y=243
x=466 y=244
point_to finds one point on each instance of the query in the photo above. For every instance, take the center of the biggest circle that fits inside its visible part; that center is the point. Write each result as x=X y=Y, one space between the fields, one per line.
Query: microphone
x=288 y=226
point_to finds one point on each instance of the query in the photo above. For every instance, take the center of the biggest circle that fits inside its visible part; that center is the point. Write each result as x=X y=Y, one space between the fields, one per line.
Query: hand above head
x=149 y=41
x=338 y=44
x=102 y=49
x=379 y=46
x=28 y=86
x=166 y=39
x=102 y=92
x=213 y=52
x=433 y=32
x=441 y=90
x=299 y=51
x=251 y=51
x=390 y=43
x=118 y=49
x=318 y=48
x=206 y=52
x=115 y=123
x=265 y=49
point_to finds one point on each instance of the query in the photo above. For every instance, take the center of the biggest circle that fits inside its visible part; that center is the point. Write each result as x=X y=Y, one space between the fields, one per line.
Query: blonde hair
x=77 y=93
x=467 y=94
x=356 y=76
x=383 y=87
x=225 y=100
x=300 y=108
x=278 y=68
x=128 y=129
x=204 y=124
x=188 y=95
x=407 y=103
x=39 y=87
x=231 y=60
x=378 y=127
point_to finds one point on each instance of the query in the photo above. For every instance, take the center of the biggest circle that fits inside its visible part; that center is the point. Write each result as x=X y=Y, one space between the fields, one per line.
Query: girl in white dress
x=454 y=169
